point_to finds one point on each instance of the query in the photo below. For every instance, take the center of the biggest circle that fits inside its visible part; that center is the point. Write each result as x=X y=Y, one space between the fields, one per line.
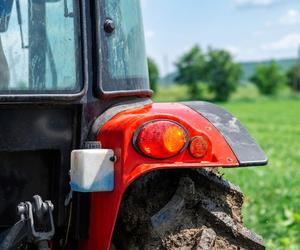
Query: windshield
x=124 y=64
x=38 y=47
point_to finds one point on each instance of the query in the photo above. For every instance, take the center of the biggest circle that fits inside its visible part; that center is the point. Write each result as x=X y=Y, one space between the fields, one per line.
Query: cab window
x=123 y=56
x=38 y=49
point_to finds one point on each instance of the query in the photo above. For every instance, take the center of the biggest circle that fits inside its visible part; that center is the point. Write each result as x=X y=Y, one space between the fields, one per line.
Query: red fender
x=117 y=134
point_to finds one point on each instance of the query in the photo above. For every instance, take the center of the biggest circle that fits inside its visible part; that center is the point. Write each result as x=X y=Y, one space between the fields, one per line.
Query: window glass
x=123 y=51
x=37 y=48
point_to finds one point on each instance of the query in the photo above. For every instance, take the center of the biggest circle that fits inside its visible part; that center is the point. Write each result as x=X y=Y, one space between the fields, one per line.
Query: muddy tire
x=183 y=209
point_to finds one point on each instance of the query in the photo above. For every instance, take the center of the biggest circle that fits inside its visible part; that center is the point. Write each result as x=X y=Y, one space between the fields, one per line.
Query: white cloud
x=254 y=3
x=149 y=34
x=292 y=16
x=234 y=50
x=290 y=41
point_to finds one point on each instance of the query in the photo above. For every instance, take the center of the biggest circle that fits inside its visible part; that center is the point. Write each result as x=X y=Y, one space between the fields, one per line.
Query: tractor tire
x=182 y=209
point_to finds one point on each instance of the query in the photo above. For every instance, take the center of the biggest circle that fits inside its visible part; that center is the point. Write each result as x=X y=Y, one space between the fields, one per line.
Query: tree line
x=216 y=71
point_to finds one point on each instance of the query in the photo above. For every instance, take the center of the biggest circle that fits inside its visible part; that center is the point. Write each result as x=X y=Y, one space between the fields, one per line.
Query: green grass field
x=272 y=204
x=272 y=193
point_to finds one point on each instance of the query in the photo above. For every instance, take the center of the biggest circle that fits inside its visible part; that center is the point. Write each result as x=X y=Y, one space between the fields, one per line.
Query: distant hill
x=248 y=68
x=168 y=79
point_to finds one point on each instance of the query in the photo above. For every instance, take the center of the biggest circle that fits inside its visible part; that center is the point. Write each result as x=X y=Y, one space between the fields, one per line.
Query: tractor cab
x=42 y=48
x=78 y=127
x=62 y=63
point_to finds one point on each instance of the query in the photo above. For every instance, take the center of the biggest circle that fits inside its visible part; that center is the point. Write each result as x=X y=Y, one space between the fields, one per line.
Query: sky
x=252 y=30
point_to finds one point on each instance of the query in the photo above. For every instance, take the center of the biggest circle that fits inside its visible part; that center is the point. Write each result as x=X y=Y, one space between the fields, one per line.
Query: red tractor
x=79 y=129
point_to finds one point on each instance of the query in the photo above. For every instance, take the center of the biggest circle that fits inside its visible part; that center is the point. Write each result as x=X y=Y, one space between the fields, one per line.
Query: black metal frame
x=43 y=130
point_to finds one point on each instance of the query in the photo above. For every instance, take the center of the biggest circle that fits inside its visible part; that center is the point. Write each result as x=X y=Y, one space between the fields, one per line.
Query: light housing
x=161 y=139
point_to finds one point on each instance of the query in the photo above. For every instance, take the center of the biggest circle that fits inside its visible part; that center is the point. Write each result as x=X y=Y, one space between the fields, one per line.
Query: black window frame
x=17 y=96
x=102 y=72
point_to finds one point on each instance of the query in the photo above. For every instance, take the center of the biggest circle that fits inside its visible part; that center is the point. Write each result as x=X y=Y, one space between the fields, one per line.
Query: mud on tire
x=183 y=209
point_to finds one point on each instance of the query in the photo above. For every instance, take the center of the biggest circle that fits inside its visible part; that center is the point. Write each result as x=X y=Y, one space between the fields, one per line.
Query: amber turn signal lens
x=161 y=139
x=199 y=146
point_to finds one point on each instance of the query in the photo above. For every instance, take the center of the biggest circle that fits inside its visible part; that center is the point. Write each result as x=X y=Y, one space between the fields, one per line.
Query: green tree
x=293 y=78
x=153 y=74
x=268 y=78
x=222 y=74
x=190 y=68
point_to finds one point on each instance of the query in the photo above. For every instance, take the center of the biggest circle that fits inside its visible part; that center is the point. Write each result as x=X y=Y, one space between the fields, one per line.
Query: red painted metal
x=117 y=134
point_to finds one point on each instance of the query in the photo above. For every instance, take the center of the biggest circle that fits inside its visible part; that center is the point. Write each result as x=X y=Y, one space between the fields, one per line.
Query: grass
x=272 y=206
x=171 y=93
x=272 y=193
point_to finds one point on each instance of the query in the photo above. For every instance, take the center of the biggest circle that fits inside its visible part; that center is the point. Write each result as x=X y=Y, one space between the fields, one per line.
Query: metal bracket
x=35 y=226
x=40 y=216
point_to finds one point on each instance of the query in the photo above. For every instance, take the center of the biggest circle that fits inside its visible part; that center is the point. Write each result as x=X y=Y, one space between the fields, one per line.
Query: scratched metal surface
x=247 y=151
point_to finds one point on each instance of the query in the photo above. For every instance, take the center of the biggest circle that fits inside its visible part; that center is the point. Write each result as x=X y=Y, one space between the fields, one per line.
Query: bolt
x=109 y=26
x=113 y=158
x=229 y=159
